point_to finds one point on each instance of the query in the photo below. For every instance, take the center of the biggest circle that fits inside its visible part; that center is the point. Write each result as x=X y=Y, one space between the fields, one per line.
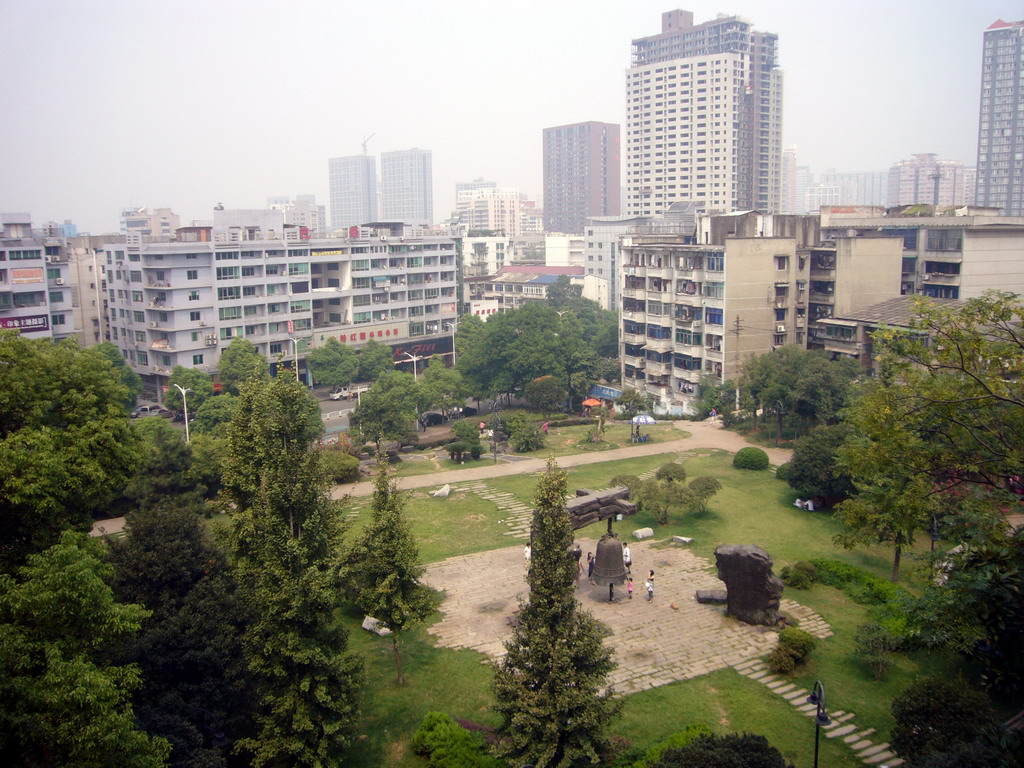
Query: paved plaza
x=671 y=638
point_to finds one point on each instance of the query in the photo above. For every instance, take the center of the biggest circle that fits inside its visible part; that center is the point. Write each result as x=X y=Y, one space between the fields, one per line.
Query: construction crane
x=366 y=140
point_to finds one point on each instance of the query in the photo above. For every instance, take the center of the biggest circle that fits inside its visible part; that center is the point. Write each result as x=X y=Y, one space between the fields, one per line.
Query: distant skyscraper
x=469 y=186
x=581 y=175
x=924 y=179
x=787 y=199
x=865 y=188
x=704 y=111
x=353 y=186
x=802 y=181
x=1000 y=179
x=406 y=186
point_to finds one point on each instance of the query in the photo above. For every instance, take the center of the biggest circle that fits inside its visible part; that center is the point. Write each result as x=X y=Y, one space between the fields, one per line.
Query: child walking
x=629 y=587
x=650 y=589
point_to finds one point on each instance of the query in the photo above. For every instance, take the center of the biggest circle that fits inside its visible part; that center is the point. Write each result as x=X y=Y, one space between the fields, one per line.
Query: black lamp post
x=934 y=532
x=821 y=717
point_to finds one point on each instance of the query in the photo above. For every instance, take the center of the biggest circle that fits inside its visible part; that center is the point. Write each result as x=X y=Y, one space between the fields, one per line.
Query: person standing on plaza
x=526 y=555
x=650 y=589
x=629 y=586
x=590 y=567
x=627 y=556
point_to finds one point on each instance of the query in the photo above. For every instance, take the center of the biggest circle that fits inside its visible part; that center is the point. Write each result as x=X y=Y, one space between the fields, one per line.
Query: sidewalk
x=703 y=434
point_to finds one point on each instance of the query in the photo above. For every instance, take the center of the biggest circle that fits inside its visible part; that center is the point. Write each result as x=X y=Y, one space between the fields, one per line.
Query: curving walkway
x=703 y=434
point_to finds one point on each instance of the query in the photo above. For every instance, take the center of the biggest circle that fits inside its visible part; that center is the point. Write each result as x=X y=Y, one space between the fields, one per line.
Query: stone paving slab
x=672 y=638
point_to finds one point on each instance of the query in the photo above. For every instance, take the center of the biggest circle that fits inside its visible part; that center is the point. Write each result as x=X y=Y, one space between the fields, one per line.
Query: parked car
x=469 y=411
x=151 y=410
x=347 y=393
x=431 y=419
x=337 y=393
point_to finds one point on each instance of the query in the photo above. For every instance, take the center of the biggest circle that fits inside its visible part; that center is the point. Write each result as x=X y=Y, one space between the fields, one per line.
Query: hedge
x=750 y=458
x=448 y=745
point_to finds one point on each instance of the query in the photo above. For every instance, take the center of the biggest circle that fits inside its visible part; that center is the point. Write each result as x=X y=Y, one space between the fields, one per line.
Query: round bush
x=797 y=642
x=780 y=661
x=750 y=458
x=673 y=472
x=934 y=716
x=782 y=472
x=341 y=467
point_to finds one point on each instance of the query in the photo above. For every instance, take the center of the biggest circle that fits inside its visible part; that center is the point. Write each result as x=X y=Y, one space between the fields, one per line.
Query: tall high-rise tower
x=406 y=186
x=581 y=175
x=353 y=186
x=704 y=111
x=1000 y=179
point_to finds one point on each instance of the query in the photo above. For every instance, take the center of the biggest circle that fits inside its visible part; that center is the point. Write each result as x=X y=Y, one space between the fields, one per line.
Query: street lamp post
x=821 y=718
x=414 y=358
x=295 y=356
x=184 y=402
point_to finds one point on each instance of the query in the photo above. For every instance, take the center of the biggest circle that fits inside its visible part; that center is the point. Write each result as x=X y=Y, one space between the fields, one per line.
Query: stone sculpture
x=753 y=591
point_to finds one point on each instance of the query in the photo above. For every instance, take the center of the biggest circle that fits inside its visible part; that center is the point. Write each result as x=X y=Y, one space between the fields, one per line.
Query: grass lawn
x=563 y=441
x=727 y=702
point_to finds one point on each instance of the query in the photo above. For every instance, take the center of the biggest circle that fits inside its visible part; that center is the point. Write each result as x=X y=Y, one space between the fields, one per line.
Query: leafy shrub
x=748 y=750
x=780 y=662
x=527 y=437
x=782 y=472
x=457 y=450
x=672 y=472
x=573 y=422
x=676 y=740
x=794 y=647
x=701 y=489
x=799 y=643
x=800 y=575
x=475 y=449
x=862 y=587
x=630 y=481
x=341 y=467
x=449 y=745
x=750 y=458
x=934 y=716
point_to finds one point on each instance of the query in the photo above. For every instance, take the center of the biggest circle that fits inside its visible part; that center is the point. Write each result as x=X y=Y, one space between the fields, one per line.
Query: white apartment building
x=704 y=117
x=494 y=209
x=407 y=186
x=174 y=302
x=142 y=221
x=602 y=253
x=37 y=297
x=303 y=211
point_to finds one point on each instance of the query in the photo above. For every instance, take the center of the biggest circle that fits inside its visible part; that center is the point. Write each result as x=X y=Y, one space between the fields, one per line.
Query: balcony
x=659 y=345
x=164 y=345
x=942 y=278
x=654 y=368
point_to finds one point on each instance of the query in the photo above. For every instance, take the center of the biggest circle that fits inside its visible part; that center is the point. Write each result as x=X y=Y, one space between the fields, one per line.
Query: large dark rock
x=753 y=590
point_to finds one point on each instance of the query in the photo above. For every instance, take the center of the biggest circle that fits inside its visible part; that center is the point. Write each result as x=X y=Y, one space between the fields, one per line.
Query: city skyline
x=103 y=124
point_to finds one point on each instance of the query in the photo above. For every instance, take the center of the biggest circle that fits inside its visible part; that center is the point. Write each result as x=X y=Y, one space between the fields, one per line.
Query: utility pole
x=736 y=332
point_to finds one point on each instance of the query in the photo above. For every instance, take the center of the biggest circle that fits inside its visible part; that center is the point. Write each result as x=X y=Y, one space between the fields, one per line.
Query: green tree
x=375 y=359
x=129 y=378
x=239 y=362
x=443 y=388
x=661 y=498
x=548 y=686
x=633 y=401
x=164 y=471
x=333 y=364
x=933 y=716
x=388 y=410
x=729 y=751
x=189 y=650
x=208 y=454
x=813 y=471
x=62 y=704
x=66 y=447
x=545 y=393
x=200 y=384
x=383 y=569
x=213 y=416
x=286 y=539
x=702 y=489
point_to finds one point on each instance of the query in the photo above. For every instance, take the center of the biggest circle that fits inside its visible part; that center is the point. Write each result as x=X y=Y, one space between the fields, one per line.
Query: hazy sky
x=185 y=104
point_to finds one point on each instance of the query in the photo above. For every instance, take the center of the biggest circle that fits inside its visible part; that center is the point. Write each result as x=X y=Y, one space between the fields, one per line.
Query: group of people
x=807 y=504
x=627 y=560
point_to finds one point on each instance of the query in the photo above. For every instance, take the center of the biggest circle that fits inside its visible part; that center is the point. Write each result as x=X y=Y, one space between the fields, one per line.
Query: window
x=716 y=262
x=56 y=297
x=195 y=316
x=143 y=357
x=714 y=290
x=197 y=359
x=192 y=274
x=136 y=275
x=193 y=295
x=945 y=240
x=712 y=316
x=57 y=319
x=782 y=262
x=229 y=294
x=139 y=317
x=230 y=313
x=25 y=255
x=137 y=296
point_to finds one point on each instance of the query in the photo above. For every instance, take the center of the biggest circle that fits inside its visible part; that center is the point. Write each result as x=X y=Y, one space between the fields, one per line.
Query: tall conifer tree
x=549 y=685
x=286 y=541
x=384 y=569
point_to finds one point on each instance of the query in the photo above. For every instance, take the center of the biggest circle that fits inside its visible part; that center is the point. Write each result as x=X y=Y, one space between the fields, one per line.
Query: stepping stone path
x=842 y=727
x=517 y=515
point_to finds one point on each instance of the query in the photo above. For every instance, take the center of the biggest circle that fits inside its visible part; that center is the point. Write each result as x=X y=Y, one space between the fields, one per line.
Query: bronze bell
x=609 y=568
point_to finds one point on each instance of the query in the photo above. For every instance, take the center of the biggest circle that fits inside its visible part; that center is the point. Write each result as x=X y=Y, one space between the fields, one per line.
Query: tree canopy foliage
x=813 y=471
x=239 y=362
x=548 y=686
x=61 y=703
x=333 y=364
x=200 y=385
x=66 y=446
x=131 y=380
x=286 y=544
x=388 y=410
x=374 y=360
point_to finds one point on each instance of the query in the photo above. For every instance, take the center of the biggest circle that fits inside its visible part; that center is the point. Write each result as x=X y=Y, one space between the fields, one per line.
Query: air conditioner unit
x=153 y=324
x=780 y=329
x=384 y=238
x=926 y=277
x=53 y=259
x=202 y=322
x=59 y=281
